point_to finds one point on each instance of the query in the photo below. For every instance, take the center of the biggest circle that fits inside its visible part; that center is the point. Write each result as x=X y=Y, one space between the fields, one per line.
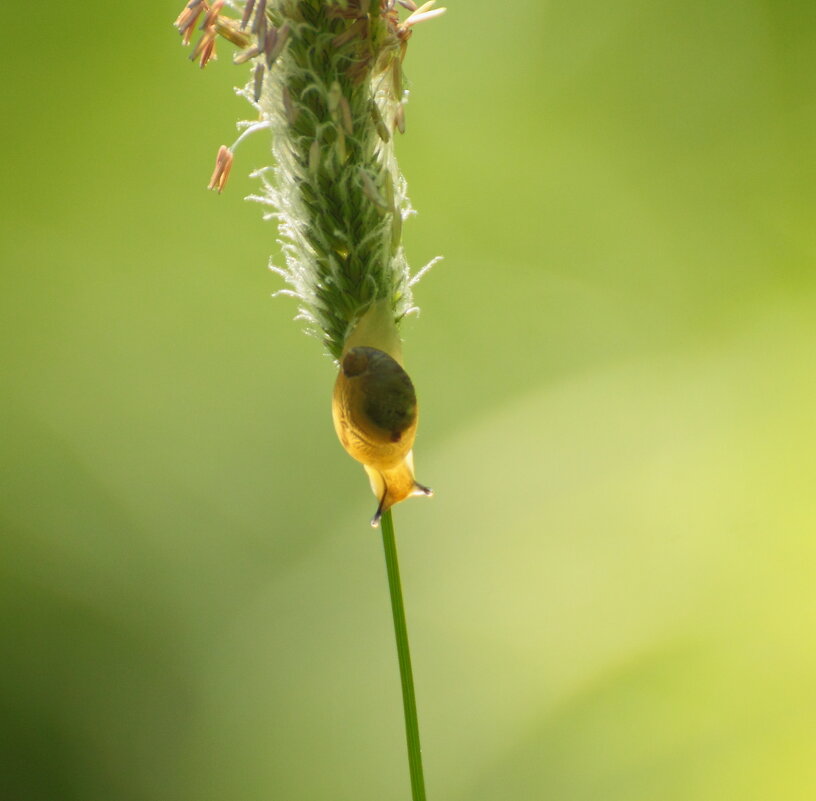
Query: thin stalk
x=404 y=655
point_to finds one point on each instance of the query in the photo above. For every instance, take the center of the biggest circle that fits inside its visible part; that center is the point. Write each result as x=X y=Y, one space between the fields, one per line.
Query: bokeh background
x=610 y=598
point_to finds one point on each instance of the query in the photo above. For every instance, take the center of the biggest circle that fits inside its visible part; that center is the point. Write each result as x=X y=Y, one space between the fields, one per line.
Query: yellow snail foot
x=393 y=486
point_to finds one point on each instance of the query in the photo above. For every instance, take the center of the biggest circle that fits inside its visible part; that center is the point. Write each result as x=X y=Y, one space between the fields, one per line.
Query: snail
x=374 y=408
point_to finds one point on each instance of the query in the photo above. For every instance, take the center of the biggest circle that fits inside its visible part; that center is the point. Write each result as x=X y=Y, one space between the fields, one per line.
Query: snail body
x=374 y=408
x=375 y=413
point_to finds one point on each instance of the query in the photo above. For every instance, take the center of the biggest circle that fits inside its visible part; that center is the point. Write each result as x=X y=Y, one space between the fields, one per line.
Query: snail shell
x=375 y=402
x=374 y=408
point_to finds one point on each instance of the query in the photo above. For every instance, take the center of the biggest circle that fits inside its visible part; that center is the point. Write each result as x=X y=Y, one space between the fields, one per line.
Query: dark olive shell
x=389 y=398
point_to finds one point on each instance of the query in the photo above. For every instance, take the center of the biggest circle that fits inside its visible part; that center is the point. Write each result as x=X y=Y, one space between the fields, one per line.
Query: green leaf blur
x=611 y=596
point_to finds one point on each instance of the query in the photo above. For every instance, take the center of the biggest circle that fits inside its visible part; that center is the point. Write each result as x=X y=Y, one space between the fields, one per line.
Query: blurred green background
x=611 y=596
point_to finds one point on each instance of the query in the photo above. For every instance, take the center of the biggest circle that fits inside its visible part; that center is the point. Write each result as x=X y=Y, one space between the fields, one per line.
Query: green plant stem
x=404 y=655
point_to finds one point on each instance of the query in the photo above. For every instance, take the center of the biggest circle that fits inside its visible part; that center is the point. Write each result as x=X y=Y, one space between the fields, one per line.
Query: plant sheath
x=404 y=656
